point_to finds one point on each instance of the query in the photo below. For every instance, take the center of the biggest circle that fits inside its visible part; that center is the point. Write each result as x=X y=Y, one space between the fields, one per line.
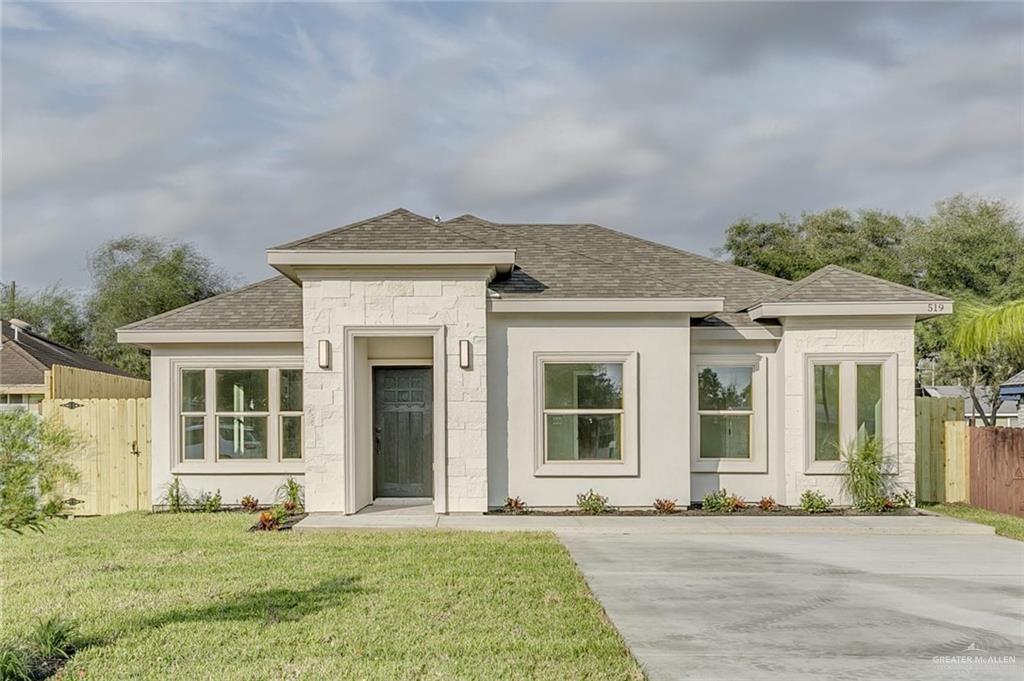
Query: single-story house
x=1012 y=392
x=465 y=361
x=27 y=360
x=1006 y=414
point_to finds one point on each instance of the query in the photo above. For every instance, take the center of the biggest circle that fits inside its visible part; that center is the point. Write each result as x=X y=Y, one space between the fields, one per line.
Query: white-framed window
x=850 y=398
x=729 y=417
x=239 y=414
x=586 y=414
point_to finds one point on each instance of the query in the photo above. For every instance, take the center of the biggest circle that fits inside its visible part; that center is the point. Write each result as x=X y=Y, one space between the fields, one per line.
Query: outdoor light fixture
x=324 y=354
x=464 y=354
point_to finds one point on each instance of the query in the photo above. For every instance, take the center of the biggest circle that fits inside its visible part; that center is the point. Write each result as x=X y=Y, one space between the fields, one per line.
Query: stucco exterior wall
x=234 y=479
x=332 y=305
x=663 y=359
x=852 y=335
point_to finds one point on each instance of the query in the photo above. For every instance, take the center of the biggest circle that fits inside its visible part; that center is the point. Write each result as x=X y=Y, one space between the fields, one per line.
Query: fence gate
x=113 y=457
x=931 y=460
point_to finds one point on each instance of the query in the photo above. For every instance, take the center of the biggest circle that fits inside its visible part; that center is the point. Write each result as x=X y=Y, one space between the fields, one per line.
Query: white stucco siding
x=234 y=479
x=805 y=337
x=661 y=347
x=331 y=306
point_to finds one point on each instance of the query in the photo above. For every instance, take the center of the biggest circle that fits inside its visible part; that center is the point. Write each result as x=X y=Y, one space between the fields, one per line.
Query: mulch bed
x=754 y=511
x=48 y=667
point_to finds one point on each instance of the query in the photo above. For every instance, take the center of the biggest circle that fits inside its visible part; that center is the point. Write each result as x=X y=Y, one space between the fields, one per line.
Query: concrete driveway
x=794 y=606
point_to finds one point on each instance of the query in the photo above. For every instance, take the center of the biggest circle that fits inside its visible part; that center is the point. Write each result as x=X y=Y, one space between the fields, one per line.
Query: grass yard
x=1006 y=525
x=195 y=596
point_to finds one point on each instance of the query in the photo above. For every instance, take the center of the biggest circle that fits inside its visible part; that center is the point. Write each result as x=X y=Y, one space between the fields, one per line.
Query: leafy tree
x=970 y=249
x=868 y=241
x=989 y=342
x=54 y=312
x=34 y=463
x=136 y=277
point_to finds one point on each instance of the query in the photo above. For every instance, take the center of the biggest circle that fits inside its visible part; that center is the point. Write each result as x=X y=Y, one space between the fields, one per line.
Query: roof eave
x=147 y=337
x=502 y=259
x=923 y=309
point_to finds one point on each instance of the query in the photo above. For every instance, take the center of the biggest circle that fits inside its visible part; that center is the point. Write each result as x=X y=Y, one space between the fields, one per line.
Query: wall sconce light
x=323 y=355
x=465 y=358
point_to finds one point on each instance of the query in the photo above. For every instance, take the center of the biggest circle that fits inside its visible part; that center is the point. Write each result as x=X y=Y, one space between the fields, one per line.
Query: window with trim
x=725 y=412
x=240 y=414
x=583 y=411
x=847 y=404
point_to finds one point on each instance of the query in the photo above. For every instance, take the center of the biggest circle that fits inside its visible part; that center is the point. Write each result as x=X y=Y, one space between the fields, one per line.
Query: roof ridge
x=823 y=271
x=500 y=227
x=199 y=303
x=342 y=228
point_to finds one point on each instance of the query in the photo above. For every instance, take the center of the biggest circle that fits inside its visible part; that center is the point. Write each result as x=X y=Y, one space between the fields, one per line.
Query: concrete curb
x=924 y=524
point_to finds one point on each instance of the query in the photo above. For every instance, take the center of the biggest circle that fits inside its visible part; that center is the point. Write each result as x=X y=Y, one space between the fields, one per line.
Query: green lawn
x=1006 y=525
x=195 y=596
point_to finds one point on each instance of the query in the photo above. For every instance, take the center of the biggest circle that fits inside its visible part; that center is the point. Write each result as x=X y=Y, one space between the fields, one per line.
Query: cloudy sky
x=239 y=127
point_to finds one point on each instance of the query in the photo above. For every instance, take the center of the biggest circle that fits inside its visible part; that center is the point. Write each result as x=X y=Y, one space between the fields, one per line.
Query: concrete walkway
x=422 y=517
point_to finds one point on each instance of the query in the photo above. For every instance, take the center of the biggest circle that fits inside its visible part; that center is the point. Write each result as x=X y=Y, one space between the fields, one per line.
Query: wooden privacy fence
x=70 y=382
x=997 y=469
x=932 y=458
x=113 y=458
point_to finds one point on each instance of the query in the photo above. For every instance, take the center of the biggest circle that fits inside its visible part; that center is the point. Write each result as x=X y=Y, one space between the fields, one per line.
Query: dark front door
x=403 y=451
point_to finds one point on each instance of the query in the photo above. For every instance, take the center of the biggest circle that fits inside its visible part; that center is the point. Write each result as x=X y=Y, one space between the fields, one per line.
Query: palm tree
x=979 y=330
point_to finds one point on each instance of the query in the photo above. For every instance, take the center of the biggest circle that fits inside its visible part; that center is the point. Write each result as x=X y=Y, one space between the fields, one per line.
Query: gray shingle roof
x=552 y=260
x=835 y=284
x=25 y=355
x=1016 y=379
x=274 y=303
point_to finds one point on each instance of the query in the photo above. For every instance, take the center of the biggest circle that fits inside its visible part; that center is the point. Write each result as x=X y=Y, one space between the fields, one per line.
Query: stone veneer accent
x=328 y=307
x=852 y=336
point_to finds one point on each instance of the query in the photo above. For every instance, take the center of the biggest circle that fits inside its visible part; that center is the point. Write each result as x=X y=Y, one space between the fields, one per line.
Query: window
x=193 y=414
x=243 y=414
x=725 y=412
x=728 y=415
x=583 y=409
x=291 y=413
x=851 y=399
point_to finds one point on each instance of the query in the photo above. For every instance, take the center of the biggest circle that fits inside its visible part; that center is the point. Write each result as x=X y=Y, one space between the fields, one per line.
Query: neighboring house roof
x=835 y=284
x=26 y=355
x=1005 y=409
x=551 y=261
x=1013 y=388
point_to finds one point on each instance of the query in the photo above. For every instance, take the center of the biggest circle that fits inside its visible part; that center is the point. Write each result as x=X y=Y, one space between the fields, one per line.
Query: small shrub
x=665 y=505
x=865 y=481
x=289 y=506
x=53 y=638
x=271 y=519
x=812 y=501
x=514 y=505
x=721 y=501
x=14 y=663
x=208 y=503
x=592 y=503
x=290 y=492
x=176 y=498
x=249 y=503
x=767 y=504
x=903 y=499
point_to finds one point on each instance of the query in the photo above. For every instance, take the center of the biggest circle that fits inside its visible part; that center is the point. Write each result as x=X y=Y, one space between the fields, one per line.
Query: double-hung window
x=239 y=414
x=586 y=414
x=729 y=423
x=851 y=399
